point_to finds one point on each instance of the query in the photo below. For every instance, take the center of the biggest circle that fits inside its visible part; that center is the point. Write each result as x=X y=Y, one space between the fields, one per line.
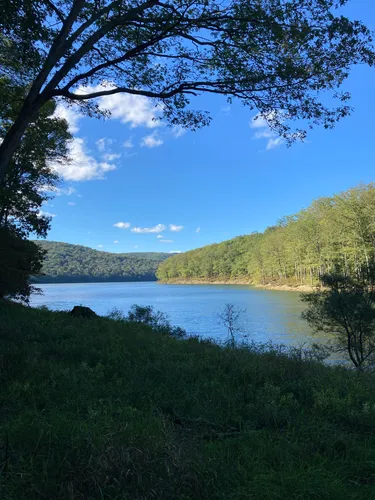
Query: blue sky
x=179 y=191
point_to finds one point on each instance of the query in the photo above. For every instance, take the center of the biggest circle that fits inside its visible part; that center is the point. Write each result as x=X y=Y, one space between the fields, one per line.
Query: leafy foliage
x=335 y=234
x=345 y=309
x=25 y=188
x=75 y=263
x=19 y=259
x=107 y=409
x=30 y=179
x=275 y=56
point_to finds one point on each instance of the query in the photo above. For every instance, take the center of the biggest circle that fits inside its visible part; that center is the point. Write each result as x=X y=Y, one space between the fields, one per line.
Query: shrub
x=147 y=315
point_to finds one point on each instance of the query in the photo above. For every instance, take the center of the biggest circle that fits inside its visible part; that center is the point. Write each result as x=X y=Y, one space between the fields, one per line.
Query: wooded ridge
x=75 y=263
x=334 y=234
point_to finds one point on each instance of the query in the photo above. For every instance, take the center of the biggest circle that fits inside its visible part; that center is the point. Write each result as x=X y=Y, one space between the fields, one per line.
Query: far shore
x=266 y=286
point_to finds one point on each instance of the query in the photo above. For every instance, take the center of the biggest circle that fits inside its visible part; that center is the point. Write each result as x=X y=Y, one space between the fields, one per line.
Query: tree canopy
x=64 y=263
x=335 y=234
x=275 y=56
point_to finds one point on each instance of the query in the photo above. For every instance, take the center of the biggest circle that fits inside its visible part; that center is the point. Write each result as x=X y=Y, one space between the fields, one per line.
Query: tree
x=230 y=317
x=19 y=259
x=345 y=309
x=30 y=177
x=25 y=188
x=275 y=56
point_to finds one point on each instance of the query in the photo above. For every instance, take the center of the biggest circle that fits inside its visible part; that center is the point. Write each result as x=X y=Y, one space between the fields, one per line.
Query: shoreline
x=265 y=286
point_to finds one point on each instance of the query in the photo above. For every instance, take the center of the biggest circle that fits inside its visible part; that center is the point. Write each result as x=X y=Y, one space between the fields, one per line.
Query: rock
x=83 y=312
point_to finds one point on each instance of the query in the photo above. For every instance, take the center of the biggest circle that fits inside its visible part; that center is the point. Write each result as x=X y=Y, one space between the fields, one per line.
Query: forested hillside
x=75 y=263
x=335 y=233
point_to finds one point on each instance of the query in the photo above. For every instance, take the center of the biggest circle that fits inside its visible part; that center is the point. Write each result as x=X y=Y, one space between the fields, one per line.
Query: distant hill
x=333 y=234
x=66 y=263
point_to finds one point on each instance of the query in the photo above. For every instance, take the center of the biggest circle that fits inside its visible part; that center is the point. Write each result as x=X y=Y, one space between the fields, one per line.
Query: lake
x=270 y=315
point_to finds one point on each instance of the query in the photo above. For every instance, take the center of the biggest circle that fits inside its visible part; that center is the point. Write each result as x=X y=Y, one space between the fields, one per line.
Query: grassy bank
x=99 y=409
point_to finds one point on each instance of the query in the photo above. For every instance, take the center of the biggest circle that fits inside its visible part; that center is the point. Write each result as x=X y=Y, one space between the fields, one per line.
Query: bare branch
x=111 y=62
x=87 y=24
x=102 y=93
x=93 y=39
x=57 y=46
x=58 y=13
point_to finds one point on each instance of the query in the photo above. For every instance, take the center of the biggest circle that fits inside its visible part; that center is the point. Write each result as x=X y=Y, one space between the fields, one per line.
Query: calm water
x=270 y=315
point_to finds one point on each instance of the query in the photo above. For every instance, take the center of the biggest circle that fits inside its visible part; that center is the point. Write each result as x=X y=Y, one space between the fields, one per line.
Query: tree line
x=334 y=234
x=65 y=263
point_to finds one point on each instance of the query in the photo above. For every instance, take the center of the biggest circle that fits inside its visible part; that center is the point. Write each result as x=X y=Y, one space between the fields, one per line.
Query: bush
x=147 y=315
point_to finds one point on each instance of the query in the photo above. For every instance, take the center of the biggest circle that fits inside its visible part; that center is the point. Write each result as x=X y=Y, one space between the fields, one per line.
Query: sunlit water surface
x=269 y=315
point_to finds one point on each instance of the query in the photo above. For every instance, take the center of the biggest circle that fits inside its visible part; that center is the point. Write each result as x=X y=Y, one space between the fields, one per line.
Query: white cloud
x=58 y=191
x=136 y=246
x=111 y=156
x=166 y=241
x=178 y=131
x=116 y=241
x=175 y=251
x=65 y=191
x=128 y=143
x=135 y=110
x=103 y=143
x=151 y=141
x=225 y=110
x=42 y=213
x=198 y=230
x=259 y=122
x=264 y=134
x=122 y=225
x=71 y=203
x=174 y=228
x=273 y=143
x=81 y=166
x=160 y=236
x=159 y=228
x=70 y=114
x=99 y=246
x=129 y=155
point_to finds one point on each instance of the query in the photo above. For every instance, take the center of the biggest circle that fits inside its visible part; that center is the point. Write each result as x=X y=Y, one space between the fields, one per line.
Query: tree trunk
x=14 y=135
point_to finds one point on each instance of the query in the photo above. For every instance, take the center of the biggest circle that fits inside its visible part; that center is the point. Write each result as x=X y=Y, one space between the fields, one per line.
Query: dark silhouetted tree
x=345 y=310
x=19 y=259
x=30 y=179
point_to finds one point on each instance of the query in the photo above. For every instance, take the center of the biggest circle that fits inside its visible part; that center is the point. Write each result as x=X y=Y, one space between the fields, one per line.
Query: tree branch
x=57 y=47
x=75 y=58
x=125 y=90
x=111 y=62
x=58 y=13
x=87 y=24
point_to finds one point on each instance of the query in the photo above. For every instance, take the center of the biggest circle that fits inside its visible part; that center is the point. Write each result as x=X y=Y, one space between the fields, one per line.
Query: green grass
x=99 y=409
